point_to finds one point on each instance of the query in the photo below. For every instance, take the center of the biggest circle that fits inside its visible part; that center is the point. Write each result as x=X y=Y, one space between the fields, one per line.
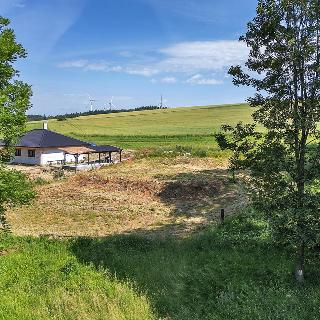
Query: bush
x=58 y=174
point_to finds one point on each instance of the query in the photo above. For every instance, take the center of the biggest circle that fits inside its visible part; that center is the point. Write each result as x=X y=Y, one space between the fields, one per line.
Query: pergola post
x=110 y=158
x=76 y=157
x=120 y=155
x=99 y=157
x=88 y=158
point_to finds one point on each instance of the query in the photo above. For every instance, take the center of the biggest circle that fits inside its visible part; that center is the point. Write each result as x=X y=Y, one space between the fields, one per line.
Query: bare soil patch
x=158 y=196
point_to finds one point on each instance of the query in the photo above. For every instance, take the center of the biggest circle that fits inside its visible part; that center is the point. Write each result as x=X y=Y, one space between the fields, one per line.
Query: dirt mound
x=191 y=190
x=174 y=190
x=120 y=184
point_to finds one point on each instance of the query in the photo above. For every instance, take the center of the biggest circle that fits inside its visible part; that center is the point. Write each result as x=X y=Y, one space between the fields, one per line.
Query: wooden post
x=110 y=159
x=222 y=215
x=76 y=156
x=99 y=157
x=120 y=155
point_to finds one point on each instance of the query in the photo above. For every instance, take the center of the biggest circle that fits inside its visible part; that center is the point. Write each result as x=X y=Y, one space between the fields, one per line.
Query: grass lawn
x=229 y=271
x=189 y=127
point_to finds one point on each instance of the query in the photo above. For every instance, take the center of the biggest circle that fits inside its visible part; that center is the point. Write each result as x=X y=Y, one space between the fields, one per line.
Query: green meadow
x=222 y=271
x=190 y=127
x=229 y=271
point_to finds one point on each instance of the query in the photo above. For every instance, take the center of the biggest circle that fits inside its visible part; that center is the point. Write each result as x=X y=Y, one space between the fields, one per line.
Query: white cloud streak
x=81 y=63
x=8 y=5
x=108 y=67
x=204 y=55
x=169 y=80
x=192 y=58
x=199 y=79
x=41 y=25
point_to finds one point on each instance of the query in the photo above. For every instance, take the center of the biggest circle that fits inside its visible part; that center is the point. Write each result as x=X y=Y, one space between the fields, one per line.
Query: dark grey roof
x=104 y=149
x=41 y=138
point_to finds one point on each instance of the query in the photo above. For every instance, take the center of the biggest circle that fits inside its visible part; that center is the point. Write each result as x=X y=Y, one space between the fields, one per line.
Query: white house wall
x=54 y=155
x=44 y=157
x=51 y=156
x=24 y=159
x=70 y=158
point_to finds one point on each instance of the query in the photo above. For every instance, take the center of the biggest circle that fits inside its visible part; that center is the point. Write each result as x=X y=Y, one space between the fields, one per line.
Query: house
x=44 y=147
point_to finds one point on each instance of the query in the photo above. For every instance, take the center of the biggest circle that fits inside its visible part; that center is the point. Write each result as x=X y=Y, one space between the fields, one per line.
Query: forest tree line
x=62 y=117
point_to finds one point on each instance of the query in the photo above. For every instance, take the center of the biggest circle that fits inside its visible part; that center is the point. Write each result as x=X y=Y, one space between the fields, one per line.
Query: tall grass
x=41 y=279
x=229 y=271
x=182 y=150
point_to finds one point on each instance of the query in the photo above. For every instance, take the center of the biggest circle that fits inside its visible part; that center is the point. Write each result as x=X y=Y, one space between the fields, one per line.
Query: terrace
x=95 y=156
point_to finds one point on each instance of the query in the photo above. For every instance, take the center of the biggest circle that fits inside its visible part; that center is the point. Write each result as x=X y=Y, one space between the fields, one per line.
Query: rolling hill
x=192 y=126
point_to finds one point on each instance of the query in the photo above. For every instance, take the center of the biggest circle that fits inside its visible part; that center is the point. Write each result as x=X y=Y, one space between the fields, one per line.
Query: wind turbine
x=162 y=103
x=111 y=104
x=91 y=102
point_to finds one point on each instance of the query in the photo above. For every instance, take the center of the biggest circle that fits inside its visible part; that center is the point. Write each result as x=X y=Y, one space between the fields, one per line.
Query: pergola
x=104 y=152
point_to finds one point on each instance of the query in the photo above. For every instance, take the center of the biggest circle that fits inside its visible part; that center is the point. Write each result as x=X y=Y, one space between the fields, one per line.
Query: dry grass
x=176 y=195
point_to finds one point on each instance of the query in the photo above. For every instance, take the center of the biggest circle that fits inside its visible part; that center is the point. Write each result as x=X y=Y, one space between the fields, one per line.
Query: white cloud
x=204 y=55
x=125 y=54
x=81 y=63
x=206 y=11
x=142 y=71
x=169 y=80
x=201 y=80
x=102 y=66
x=107 y=67
x=200 y=59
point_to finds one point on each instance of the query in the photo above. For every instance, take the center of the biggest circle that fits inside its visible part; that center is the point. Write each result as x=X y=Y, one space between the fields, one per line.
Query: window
x=31 y=153
x=18 y=153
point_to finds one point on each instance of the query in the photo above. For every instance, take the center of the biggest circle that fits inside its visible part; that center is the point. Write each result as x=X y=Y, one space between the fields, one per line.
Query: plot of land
x=176 y=195
x=140 y=258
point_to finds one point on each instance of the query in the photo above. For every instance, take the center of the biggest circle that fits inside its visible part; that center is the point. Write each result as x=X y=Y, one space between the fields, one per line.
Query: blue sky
x=131 y=50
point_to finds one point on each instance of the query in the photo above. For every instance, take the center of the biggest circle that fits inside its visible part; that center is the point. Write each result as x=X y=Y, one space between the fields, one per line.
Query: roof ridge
x=47 y=138
x=42 y=136
x=75 y=139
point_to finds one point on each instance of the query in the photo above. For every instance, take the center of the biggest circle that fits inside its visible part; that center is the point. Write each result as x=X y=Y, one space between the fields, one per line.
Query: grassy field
x=43 y=279
x=229 y=271
x=152 y=247
x=189 y=127
x=142 y=239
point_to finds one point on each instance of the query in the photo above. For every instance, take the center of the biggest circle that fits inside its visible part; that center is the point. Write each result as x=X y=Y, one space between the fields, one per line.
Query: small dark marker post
x=222 y=215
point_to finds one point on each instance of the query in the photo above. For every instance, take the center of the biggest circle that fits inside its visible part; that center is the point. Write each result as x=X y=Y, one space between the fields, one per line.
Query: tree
x=14 y=102
x=284 y=158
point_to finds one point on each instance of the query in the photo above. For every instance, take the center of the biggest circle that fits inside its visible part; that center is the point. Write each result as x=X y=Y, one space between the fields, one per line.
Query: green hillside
x=192 y=127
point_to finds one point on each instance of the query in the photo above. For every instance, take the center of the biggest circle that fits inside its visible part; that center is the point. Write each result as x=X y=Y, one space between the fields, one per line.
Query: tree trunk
x=299 y=273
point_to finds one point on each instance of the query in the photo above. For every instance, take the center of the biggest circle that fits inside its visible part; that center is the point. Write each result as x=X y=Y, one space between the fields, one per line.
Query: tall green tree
x=14 y=102
x=284 y=162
